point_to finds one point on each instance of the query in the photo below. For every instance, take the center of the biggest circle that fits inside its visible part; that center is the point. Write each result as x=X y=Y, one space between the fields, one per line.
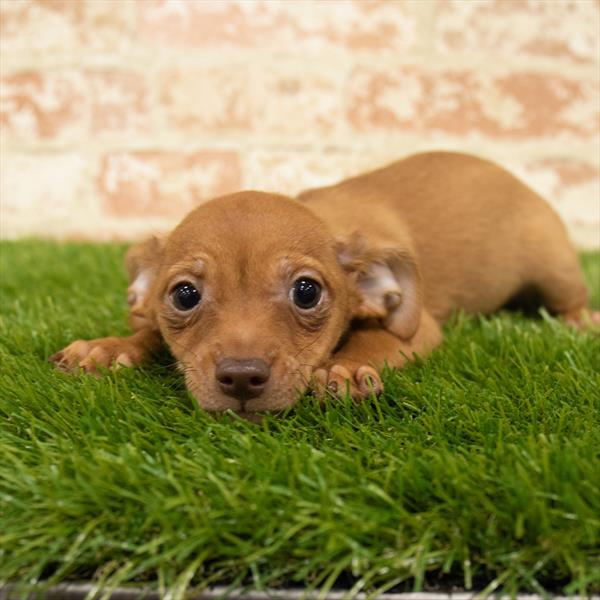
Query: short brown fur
x=395 y=252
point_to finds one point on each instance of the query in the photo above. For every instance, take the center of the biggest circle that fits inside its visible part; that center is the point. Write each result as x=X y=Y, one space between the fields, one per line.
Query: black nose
x=243 y=378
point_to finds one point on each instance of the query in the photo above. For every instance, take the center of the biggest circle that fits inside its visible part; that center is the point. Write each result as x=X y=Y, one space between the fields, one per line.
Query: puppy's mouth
x=281 y=392
x=271 y=401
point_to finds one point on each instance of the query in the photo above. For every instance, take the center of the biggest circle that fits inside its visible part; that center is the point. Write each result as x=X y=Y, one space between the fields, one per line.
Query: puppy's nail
x=369 y=381
x=372 y=385
x=123 y=360
x=332 y=386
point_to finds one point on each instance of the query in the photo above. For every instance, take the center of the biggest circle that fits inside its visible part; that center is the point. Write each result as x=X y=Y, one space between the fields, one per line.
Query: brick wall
x=118 y=116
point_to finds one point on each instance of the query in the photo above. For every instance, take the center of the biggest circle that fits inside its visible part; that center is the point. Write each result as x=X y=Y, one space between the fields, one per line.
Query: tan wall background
x=118 y=116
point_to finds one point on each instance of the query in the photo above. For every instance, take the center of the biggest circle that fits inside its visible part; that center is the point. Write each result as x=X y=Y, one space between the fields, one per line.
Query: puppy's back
x=479 y=233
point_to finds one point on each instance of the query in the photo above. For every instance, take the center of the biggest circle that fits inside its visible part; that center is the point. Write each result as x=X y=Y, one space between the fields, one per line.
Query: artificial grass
x=480 y=465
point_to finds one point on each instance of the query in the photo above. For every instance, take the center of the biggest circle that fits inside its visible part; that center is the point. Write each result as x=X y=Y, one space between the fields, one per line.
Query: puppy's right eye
x=185 y=296
x=306 y=293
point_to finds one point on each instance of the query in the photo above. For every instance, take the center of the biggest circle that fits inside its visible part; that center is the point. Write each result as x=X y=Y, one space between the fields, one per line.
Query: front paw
x=93 y=355
x=584 y=319
x=341 y=377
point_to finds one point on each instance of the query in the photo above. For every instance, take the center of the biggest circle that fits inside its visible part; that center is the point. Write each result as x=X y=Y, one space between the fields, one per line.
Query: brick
x=201 y=100
x=35 y=28
x=283 y=75
x=35 y=105
x=554 y=177
x=556 y=29
x=519 y=105
x=301 y=103
x=44 y=194
x=572 y=187
x=71 y=104
x=118 y=102
x=165 y=184
x=292 y=171
x=275 y=101
x=301 y=25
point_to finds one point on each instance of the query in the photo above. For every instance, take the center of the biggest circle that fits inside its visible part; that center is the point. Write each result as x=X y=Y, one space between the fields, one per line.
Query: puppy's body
x=479 y=235
x=387 y=255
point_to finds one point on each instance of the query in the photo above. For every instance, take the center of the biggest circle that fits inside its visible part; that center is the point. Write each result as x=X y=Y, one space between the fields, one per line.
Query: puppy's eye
x=185 y=296
x=306 y=293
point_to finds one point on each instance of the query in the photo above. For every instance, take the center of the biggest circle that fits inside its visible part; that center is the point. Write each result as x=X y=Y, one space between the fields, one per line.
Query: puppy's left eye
x=306 y=293
x=185 y=296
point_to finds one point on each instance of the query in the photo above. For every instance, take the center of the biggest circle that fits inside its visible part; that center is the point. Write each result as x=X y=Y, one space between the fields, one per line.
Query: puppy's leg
x=559 y=280
x=91 y=355
x=128 y=351
x=355 y=367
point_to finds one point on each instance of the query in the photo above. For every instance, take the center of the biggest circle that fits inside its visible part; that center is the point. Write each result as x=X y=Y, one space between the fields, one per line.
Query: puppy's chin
x=275 y=399
x=251 y=410
x=252 y=417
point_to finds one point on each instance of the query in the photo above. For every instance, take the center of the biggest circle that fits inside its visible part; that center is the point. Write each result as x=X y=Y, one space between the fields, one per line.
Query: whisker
x=310 y=344
x=188 y=350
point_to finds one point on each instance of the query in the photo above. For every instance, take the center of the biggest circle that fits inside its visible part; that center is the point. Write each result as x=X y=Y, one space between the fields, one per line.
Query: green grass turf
x=478 y=466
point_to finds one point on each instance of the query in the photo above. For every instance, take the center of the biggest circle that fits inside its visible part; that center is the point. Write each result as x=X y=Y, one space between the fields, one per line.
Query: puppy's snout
x=242 y=378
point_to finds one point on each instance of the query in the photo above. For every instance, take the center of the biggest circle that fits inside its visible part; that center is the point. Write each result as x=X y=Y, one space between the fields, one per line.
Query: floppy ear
x=142 y=262
x=387 y=282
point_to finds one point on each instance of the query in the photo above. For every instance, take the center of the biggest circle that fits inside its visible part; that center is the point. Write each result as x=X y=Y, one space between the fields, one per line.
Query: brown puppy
x=256 y=295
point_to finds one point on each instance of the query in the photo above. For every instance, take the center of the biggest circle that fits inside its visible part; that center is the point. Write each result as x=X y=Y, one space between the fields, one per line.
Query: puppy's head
x=252 y=292
x=250 y=296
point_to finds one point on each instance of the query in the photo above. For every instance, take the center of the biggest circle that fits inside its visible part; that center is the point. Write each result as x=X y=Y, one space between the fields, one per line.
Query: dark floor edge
x=79 y=591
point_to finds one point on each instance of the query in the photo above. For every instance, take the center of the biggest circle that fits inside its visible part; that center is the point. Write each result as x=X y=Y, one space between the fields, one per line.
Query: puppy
x=258 y=295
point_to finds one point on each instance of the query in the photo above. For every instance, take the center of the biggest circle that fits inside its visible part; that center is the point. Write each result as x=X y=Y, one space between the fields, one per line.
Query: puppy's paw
x=341 y=377
x=92 y=355
x=585 y=319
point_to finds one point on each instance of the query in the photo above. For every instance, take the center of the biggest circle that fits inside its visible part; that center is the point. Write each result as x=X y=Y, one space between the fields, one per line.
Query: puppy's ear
x=142 y=262
x=387 y=282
